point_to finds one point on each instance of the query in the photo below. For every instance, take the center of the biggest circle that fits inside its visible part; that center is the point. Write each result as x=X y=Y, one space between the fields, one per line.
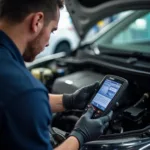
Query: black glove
x=87 y=129
x=80 y=98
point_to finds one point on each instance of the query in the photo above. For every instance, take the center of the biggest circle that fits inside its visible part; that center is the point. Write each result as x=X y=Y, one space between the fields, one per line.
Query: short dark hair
x=16 y=10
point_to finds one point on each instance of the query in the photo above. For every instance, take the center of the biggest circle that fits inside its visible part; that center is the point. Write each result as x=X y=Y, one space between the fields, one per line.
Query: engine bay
x=66 y=75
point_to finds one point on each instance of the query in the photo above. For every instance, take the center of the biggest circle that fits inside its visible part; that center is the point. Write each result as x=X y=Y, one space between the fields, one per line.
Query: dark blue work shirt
x=24 y=108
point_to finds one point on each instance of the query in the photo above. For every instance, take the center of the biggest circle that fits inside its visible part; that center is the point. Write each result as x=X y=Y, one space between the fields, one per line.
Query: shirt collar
x=6 y=42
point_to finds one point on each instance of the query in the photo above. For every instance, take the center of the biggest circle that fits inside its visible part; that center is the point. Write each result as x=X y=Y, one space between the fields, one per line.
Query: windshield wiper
x=125 y=54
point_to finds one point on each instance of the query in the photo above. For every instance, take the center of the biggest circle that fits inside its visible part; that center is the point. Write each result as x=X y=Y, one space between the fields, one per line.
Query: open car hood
x=86 y=13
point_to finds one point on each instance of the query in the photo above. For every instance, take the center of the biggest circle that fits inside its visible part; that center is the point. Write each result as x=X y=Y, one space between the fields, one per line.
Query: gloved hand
x=80 y=98
x=87 y=129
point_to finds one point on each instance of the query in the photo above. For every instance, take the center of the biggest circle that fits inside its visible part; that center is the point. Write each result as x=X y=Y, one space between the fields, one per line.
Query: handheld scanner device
x=108 y=95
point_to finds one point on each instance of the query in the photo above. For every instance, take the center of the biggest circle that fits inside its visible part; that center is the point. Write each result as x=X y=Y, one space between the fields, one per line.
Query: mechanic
x=25 y=106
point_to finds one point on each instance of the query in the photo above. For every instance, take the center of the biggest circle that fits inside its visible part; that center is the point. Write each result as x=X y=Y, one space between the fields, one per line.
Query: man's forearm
x=56 y=103
x=70 y=144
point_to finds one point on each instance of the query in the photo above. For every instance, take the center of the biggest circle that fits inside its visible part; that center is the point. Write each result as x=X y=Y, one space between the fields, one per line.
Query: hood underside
x=86 y=13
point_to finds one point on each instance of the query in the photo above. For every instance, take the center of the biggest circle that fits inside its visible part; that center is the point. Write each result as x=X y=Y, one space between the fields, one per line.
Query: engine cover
x=70 y=83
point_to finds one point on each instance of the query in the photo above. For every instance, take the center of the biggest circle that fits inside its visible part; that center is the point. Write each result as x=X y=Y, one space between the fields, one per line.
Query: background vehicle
x=122 y=49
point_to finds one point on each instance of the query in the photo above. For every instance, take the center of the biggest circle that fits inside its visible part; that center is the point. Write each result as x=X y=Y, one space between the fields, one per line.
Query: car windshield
x=131 y=34
x=103 y=26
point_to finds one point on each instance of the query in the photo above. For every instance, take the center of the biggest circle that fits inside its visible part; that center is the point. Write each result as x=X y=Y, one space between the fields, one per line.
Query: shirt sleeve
x=28 y=118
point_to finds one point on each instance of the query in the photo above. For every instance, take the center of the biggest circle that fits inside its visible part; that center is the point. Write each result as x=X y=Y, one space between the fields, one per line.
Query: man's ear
x=37 y=22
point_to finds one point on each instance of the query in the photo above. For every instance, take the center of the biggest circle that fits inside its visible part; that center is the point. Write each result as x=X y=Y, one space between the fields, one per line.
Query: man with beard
x=25 y=105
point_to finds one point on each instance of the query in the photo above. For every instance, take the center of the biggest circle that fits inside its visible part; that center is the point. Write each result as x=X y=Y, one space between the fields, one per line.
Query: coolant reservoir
x=42 y=74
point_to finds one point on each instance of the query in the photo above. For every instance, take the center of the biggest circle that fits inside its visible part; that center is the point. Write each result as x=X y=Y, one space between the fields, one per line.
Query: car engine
x=65 y=75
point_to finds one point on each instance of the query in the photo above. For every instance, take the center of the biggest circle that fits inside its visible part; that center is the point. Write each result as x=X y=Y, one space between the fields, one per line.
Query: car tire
x=63 y=47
